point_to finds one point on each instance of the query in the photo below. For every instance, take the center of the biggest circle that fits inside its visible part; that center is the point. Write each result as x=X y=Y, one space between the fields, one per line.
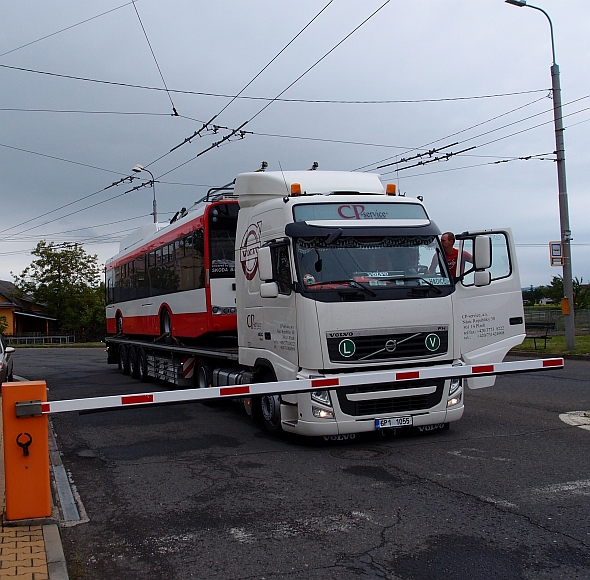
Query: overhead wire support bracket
x=430 y=153
x=145 y=184
x=122 y=180
x=226 y=138
x=444 y=157
x=198 y=133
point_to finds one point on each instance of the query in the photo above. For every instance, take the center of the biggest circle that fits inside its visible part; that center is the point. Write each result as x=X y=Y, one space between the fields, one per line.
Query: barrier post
x=26 y=453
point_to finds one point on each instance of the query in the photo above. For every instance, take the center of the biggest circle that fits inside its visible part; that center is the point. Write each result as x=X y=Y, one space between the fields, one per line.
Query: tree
x=66 y=280
x=581 y=293
x=3 y=324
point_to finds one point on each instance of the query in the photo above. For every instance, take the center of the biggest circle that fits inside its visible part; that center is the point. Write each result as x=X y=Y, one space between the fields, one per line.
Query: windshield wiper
x=361 y=285
x=350 y=282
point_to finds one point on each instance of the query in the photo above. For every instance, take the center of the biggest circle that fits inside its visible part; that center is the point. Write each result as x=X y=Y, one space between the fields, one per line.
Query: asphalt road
x=195 y=491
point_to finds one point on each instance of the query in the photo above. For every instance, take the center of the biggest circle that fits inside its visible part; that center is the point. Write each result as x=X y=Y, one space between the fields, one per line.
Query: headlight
x=455 y=384
x=322 y=397
x=321 y=413
x=454 y=401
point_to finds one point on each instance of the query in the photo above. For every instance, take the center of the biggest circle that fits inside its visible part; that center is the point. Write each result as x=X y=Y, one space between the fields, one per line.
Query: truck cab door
x=488 y=319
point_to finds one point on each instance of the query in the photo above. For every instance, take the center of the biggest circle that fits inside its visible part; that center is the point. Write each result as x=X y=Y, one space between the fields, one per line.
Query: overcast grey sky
x=53 y=155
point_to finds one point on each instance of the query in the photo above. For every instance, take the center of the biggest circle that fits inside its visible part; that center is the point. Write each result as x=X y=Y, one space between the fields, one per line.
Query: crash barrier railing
x=42 y=339
x=25 y=409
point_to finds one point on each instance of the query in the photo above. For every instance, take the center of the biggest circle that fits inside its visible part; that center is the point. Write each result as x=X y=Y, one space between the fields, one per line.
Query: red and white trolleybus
x=178 y=279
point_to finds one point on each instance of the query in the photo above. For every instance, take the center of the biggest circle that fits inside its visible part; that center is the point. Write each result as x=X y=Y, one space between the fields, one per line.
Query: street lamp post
x=138 y=169
x=564 y=220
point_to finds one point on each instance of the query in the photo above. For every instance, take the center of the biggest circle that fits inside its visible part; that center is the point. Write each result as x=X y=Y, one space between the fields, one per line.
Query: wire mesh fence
x=581 y=318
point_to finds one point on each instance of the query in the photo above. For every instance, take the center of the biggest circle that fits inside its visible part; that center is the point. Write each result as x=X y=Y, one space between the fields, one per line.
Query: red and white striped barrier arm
x=302 y=385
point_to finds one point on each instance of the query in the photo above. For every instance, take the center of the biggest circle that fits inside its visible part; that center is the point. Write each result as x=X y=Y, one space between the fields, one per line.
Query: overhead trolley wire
x=27 y=238
x=95 y=193
x=283 y=100
x=212 y=146
x=499 y=128
x=454 y=134
x=206 y=125
x=227 y=137
x=275 y=57
x=57 y=158
x=21 y=110
x=64 y=29
x=175 y=112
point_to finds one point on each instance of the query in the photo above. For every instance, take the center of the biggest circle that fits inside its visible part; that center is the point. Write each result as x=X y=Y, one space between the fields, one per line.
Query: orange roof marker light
x=391 y=189
x=296 y=189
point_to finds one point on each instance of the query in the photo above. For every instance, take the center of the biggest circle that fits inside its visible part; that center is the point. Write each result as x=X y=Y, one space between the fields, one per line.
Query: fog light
x=454 y=401
x=322 y=413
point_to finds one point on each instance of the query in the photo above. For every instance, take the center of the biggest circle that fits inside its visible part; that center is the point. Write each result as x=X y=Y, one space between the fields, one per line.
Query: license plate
x=393 y=422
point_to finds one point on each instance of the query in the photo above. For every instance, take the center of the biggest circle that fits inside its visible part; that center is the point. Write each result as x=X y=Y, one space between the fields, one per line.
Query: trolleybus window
x=222 y=240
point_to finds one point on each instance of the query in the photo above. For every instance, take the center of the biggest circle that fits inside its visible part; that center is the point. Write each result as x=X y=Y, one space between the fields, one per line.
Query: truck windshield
x=374 y=262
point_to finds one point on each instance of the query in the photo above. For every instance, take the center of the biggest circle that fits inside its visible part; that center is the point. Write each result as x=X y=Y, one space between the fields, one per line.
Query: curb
x=539 y=354
x=56 y=560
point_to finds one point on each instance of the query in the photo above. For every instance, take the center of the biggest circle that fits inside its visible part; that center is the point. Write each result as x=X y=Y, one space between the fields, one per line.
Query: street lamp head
x=138 y=168
x=519 y=3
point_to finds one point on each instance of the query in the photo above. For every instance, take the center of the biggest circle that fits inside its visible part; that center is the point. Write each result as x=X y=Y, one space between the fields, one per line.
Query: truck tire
x=203 y=379
x=142 y=373
x=132 y=362
x=123 y=359
x=270 y=408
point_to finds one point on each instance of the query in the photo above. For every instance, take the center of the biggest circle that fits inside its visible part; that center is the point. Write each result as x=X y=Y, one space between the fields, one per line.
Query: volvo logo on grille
x=391 y=345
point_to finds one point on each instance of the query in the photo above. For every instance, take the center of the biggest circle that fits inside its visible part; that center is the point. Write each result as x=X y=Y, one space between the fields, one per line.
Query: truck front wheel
x=270 y=407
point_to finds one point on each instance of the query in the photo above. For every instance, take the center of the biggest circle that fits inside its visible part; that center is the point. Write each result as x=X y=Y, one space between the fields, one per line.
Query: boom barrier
x=25 y=424
x=31 y=408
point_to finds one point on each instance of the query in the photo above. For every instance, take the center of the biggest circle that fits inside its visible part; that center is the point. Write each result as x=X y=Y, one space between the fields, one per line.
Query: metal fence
x=581 y=318
x=41 y=339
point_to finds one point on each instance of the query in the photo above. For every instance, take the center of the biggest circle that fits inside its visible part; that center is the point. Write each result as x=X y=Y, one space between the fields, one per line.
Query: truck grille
x=354 y=347
x=372 y=407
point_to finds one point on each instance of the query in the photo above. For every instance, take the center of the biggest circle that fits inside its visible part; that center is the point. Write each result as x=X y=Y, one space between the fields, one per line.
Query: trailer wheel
x=142 y=373
x=123 y=360
x=132 y=362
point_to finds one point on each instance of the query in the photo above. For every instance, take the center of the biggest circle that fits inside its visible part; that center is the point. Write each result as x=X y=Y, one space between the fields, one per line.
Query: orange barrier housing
x=28 y=491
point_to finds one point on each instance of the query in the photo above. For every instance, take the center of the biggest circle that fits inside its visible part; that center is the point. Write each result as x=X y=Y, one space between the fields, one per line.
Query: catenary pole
x=564 y=220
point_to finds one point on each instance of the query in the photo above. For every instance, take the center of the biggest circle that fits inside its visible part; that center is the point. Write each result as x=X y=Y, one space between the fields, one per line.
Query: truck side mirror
x=482 y=257
x=483 y=278
x=265 y=264
x=269 y=290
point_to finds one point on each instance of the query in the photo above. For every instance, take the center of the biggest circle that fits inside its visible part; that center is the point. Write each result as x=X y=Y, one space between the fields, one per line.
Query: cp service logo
x=249 y=250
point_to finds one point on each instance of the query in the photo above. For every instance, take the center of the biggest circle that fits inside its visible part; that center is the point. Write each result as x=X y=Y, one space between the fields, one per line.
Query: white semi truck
x=299 y=275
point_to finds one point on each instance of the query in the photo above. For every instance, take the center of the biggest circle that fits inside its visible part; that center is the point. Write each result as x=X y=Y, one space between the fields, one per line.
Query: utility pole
x=567 y=303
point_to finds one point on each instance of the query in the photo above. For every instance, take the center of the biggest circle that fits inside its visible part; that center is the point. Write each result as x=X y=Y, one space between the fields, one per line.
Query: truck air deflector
x=305 y=230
